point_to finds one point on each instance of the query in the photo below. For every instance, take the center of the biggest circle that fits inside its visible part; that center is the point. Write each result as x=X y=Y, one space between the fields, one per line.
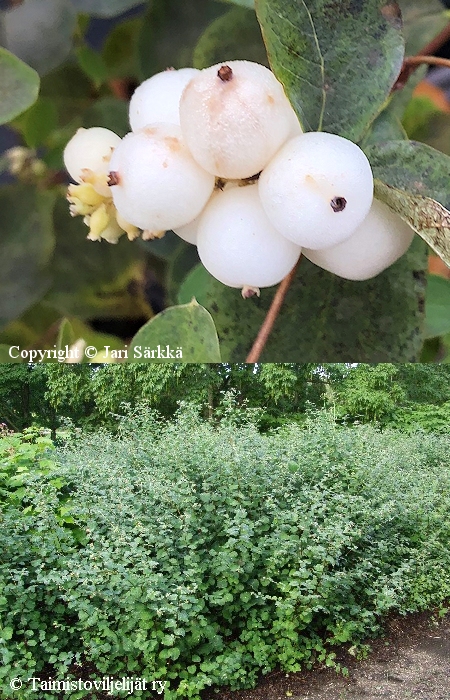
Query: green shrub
x=429 y=417
x=23 y=457
x=215 y=553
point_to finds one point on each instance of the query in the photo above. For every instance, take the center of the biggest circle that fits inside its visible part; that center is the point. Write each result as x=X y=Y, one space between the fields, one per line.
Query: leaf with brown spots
x=337 y=59
x=413 y=180
x=188 y=327
x=427 y=217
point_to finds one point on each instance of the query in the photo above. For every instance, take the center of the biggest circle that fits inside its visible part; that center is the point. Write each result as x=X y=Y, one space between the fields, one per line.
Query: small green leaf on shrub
x=120 y=50
x=188 y=328
x=337 y=60
x=413 y=167
x=39 y=122
x=195 y=283
x=437 y=320
x=92 y=64
x=19 y=86
x=26 y=248
x=235 y=34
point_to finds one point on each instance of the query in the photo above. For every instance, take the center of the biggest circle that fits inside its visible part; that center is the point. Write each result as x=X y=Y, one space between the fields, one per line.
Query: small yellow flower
x=83 y=199
x=131 y=231
x=151 y=235
x=98 y=222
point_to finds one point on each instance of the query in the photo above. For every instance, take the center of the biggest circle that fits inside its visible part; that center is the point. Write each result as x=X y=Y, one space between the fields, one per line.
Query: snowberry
x=189 y=232
x=317 y=190
x=234 y=118
x=156 y=184
x=379 y=241
x=90 y=150
x=237 y=243
x=158 y=98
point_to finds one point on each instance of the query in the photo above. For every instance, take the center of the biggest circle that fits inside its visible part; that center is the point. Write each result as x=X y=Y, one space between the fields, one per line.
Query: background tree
x=23 y=397
x=378 y=392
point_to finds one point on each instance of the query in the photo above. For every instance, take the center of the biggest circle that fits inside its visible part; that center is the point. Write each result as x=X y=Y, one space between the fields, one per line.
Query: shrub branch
x=411 y=63
x=271 y=317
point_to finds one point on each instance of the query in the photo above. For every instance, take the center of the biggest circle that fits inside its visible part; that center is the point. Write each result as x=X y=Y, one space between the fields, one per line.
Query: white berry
x=189 y=232
x=91 y=149
x=377 y=243
x=158 y=98
x=159 y=185
x=234 y=118
x=237 y=243
x=317 y=190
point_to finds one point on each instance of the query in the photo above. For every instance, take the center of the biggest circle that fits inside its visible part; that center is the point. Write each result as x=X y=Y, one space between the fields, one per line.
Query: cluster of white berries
x=219 y=157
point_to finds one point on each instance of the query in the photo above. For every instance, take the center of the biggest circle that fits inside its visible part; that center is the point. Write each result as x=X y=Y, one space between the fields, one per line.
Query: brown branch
x=436 y=43
x=272 y=315
x=409 y=67
x=431 y=60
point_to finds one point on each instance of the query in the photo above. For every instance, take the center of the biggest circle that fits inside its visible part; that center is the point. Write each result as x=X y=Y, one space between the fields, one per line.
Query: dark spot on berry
x=113 y=179
x=338 y=204
x=225 y=74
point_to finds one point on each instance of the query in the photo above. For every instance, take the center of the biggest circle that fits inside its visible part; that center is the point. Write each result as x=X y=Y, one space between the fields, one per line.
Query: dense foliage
x=407 y=395
x=212 y=554
x=64 y=66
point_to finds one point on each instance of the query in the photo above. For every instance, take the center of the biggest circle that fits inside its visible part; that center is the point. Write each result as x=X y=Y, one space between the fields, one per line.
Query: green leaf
x=195 y=284
x=92 y=64
x=427 y=217
x=412 y=179
x=32 y=327
x=181 y=263
x=120 y=50
x=104 y=8
x=188 y=327
x=110 y=113
x=413 y=167
x=70 y=90
x=92 y=279
x=19 y=86
x=337 y=60
x=386 y=127
x=6 y=633
x=39 y=122
x=39 y=32
x=437 y=307
x=26 y=248
x=236 y=34
x=421 y=22
x=379 y=320
x=166 y=19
